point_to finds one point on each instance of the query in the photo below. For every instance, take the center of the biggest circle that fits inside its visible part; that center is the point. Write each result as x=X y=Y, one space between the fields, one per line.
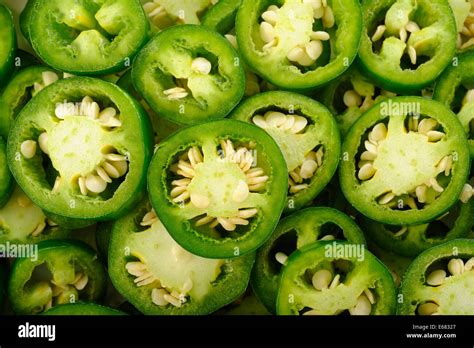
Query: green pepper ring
x=353 y=190
x=411 y=291
x=169 y=212
x=82 y=308
x=49 y=251
x=312 y=255
x=7 y=44
x=127 y=243
x=6 y=179
x=349 y=21
x=37 y=114
x=307 y=221
x=323 y=127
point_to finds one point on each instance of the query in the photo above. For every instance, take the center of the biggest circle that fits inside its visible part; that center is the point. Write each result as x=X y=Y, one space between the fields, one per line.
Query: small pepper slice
x=219 y=188
x=331 y=278
x=406 y=44
x=82 y=308
x=81 y=148
x=307 y=134
x=159 y=277
x=62 y=272
x=6 y=179
x=189 y=74
x=7 y=44
x=405 y=161
x=299 y=45
x=19 y=91
x=87 y=37
x=292 y=233
x=455 y=88
x=440 y=281
x=412 y=240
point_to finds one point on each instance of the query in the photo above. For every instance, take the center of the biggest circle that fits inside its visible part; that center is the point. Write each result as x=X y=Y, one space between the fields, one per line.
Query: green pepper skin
x=17 y=94
x=7 y=44
x=129 y=239
x=82 y=308
x=59 y=256
x=305 y=226
x=224 y=86
x=25 y=17
x=454 y=297
x=6 y=179
x=37 y=114
x=221 y=16
x=366 y=203
x=370 y=271
x=87 y=38
x=421 y=237
x=170 y=213
x=323 y=131
x=456 y=79
x=348 y=19
x=385 y=67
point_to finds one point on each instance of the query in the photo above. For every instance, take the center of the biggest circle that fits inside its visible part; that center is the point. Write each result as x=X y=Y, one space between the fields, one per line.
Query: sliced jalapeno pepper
x=307 y=135
x=189 y=74
x=21 y=221
x=7 y=44
x=350 y=95
x=298 y=44
x=463 y=13
x=294 y=232
x=159 y=277
x=163 y=14
x=412 y=240
x=80 y=149
x=333 y=278
x=221 y=16
x=219 y=187
x=406 y=44
x=6 y=179
x=455 y=88
x=83 y=308
x=405 y=161
x=21 y=88
x=440 y=281
x=87 y=37
x=63 y=272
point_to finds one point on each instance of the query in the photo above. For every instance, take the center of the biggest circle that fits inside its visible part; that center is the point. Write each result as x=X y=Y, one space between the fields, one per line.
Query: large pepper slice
x=307 y=135
x=292 y=233
x=405 y=161
x=298 y=44
x=406 y=44
x=62 y=272
x=330 y=278
x=81 y=148
x=159 y=277
x=440 y=281
x=87 y=37
x=189 y=74
x=219 y=188
x=7 y=44
x=455 y=88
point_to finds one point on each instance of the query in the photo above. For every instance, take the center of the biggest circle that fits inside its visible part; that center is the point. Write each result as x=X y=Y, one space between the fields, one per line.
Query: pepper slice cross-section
x=219 y=188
